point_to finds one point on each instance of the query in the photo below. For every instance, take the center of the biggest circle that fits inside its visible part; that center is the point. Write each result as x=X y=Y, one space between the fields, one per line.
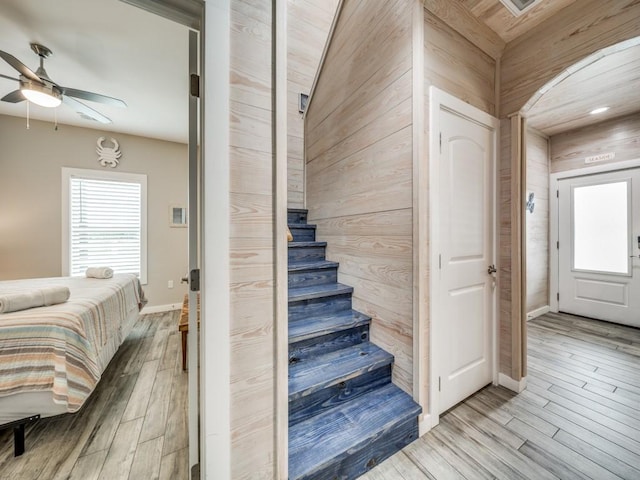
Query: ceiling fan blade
x=85 y=111
x=13 y=97
x=9 y=78
x=93 y=97
x=19 y=66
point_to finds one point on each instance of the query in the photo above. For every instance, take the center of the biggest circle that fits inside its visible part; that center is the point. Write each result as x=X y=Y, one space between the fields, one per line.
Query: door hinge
x=439 y=384
x=440 y=142
x=194 y=280
x=557 y=193
x=195 y=85
x=558 y=245
x=558 y=296
x=440 y=262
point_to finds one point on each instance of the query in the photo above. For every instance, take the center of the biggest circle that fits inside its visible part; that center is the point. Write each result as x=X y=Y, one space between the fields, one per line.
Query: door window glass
x=600 y=228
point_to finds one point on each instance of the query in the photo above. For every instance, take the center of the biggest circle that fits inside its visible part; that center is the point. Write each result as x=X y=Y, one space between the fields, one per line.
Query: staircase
x=345 y=415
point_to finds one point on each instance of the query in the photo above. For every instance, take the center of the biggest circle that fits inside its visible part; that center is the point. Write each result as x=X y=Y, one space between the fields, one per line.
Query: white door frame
x=437 y=100
x=554 y=178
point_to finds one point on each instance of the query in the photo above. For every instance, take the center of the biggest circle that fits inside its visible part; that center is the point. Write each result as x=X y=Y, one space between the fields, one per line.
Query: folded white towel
x=13 y=302
x=99 y=272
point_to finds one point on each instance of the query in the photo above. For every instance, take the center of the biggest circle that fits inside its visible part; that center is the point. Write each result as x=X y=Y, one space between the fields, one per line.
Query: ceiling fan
x=38 y=88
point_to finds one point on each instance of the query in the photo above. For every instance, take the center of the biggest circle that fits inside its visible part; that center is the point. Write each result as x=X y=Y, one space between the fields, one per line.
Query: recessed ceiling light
x=599 y=110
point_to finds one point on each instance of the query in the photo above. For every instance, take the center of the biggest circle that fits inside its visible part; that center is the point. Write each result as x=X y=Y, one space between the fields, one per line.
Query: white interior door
x=467 y=284
x=599 y=246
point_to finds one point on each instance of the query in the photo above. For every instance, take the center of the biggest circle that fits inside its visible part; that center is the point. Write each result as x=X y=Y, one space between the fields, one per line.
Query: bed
x=51 y=358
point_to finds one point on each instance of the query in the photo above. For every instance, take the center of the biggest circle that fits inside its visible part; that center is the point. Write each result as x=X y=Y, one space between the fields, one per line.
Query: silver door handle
x=491 y=269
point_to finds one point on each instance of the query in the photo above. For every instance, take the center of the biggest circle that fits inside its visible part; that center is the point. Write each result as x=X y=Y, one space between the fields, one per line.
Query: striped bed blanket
x=57 y=348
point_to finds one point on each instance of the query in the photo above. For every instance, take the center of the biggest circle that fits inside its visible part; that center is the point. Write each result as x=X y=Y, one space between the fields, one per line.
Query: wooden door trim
x=438 y=99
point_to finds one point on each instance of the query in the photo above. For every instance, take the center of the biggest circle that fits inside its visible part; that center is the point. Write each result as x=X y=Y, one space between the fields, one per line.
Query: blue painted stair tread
x=300 y=252
x=345 y=442
x=311 y=265
x=296 y=216
x=302 y=232
x=324 y=325
x=332 y=368
x=312 y=273
x=318 y=291
x=345 y=415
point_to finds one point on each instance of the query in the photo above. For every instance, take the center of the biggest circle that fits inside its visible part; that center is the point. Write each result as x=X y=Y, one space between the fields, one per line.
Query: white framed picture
x=177 y=216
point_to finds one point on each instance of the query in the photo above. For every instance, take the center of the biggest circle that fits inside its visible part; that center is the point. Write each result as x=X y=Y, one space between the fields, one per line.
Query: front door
x=466 y=293
x=599 y=246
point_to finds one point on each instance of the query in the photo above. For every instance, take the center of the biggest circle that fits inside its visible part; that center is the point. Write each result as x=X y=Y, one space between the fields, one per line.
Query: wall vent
x=518 y=7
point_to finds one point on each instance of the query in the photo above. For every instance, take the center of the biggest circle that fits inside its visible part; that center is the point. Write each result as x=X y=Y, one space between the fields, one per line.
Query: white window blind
x=106 y=222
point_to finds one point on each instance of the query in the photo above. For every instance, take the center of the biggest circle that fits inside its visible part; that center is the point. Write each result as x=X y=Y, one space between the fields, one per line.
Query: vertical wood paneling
x=620 y=136
x=359 y=168
x=537 y=223
x=308 y=23
x=251 y=199
x=504 y=251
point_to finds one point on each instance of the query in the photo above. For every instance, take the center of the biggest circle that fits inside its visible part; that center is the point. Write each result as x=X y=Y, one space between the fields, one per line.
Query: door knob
x=491 y=269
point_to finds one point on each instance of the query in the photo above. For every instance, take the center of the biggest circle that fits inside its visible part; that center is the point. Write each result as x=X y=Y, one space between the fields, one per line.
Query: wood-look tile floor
x=579 y=416
x=133 y=426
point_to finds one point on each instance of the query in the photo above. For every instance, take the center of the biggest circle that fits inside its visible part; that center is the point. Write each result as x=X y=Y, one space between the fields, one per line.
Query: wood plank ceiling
x=509 y=27
x=611 y=81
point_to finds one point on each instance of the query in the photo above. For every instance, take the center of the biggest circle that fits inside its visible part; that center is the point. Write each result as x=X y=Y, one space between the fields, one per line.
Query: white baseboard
x=537 y=312
x=161 y=308
x=424 y=424
x=511 y=384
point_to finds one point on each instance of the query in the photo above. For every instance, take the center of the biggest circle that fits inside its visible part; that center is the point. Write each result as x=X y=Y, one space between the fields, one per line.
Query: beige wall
x=308 y=23
x=252 y=332
x=30 y=195
x=537 y=223
x=619 y=135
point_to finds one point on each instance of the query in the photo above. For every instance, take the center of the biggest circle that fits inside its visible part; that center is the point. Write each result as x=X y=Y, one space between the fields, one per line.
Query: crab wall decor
x=108 y=156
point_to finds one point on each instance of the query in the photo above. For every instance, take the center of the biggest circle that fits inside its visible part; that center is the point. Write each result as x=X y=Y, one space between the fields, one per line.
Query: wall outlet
x=170 y=284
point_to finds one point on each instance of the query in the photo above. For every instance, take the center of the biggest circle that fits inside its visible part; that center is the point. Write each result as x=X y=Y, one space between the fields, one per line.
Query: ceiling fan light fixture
x=43 y=95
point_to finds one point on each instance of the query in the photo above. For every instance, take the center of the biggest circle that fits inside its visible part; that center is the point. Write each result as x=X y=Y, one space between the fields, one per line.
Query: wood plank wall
x=619 y=135
x=308 y=23
x=572 y=34
x=526 y=65
x=251 y=242
x=537 y=223
x=457 y=66
x=359 y=167
x=454 y=64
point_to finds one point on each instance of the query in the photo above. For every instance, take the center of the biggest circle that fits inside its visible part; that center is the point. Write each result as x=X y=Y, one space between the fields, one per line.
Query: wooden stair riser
x=305 y=254
x=313 y=276
x=303 y=232
x=331 y=342
x=304 y=309
x=308 y=406
x=296 y=216
x=365 y=457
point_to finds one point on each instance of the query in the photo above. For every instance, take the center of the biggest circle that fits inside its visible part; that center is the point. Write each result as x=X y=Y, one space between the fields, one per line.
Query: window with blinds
x=105 y=222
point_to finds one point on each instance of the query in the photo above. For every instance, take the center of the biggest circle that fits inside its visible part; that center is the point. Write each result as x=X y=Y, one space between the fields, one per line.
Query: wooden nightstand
x=183 y=326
